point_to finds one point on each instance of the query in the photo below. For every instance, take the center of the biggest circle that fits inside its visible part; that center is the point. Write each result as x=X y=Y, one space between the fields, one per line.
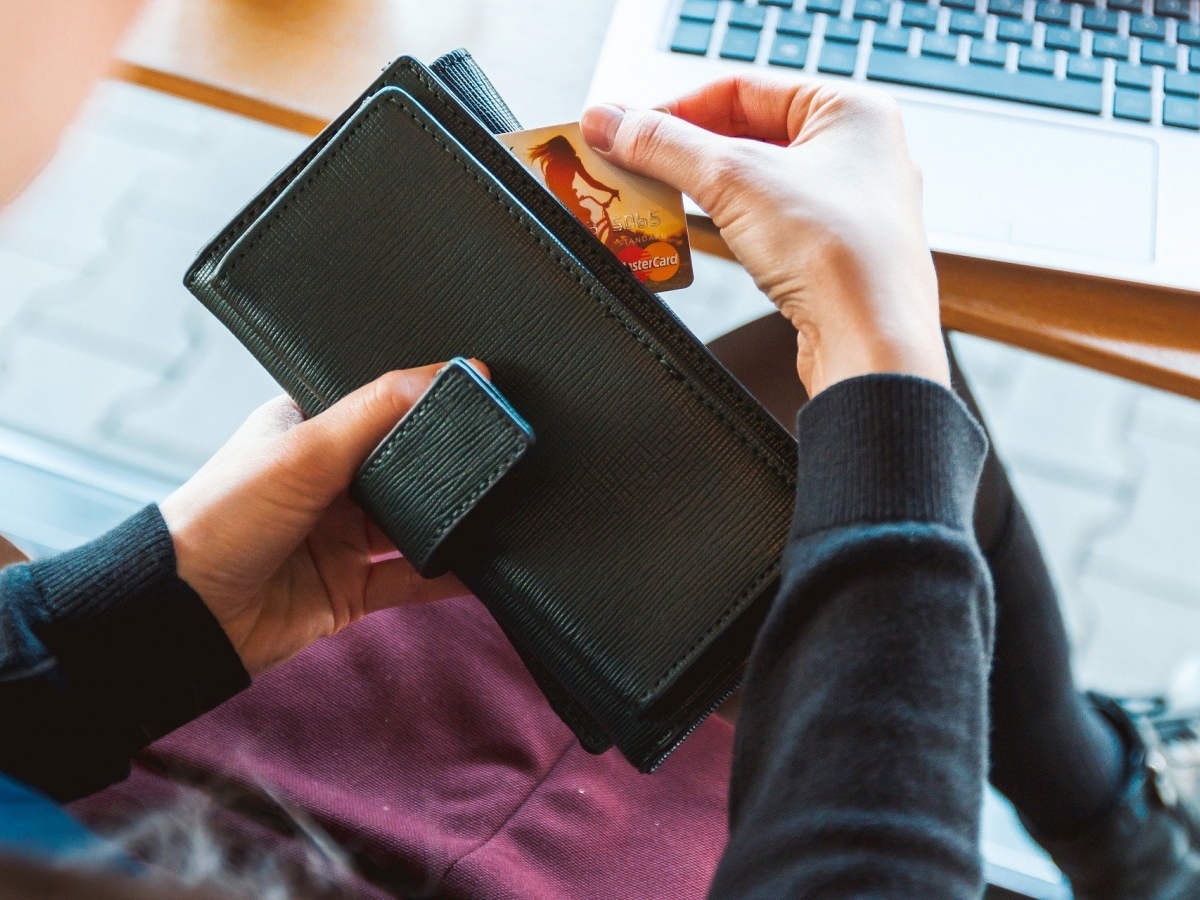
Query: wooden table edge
x=1140 y=332
x=245 y=105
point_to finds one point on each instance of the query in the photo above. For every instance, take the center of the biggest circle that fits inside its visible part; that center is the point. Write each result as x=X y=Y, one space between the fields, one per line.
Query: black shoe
x=1148 y=846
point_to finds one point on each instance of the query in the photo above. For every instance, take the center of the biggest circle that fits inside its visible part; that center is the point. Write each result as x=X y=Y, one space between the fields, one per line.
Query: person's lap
x=420 y=743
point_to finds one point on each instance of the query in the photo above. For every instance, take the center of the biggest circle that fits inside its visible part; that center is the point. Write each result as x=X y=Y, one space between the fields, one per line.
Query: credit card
x=638 y=219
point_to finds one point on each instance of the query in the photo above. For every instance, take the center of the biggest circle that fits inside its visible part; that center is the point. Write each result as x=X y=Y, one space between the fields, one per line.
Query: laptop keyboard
x=1137 y=60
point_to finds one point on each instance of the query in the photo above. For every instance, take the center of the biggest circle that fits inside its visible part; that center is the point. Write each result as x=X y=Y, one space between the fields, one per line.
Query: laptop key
x=1188 y=33
x=875 y=10
x=1156 y=54
x=837 y=59
x=1085 y=69
x=798 y=23
x=1030 y=60
x=740 y=43
x=747 y=16
x=786 y=4
x=1129 y=6
x=1110 y=47
x=1053 y=13
x=789 y=50
x=1014 y=30
x=940 y=45
x=988 y=53
x=1185 y=84
x=966 y=23
x=842 y=31
x=1137 y=77
x=892 y=38
x=1148 y=27
x=968 y=5
x=691 y=37
x=1014 y=9
x=699 y=11
x=915 y=16
x=1133 y=105
x=1101 y=20
x=1172 y=9
x=832 y=7
x=1059 y=38
x=1181 y=113
x=985 y=81
x=1194 y=59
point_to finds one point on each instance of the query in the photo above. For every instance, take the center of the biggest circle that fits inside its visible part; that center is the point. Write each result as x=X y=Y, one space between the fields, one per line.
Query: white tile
x=1135 y=641
x=1168 y=416
x=64 y=217
x=189 y=415
x=234 y=159
x=1066 y=519
x=1067 y=422
x=1155 y=549
x=991 y=370
x=130 y=303
x=64 y=393
x=23 y=279
x=144 y=117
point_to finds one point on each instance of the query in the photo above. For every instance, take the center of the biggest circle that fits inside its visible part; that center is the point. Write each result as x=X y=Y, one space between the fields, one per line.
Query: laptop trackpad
x=1004 y=178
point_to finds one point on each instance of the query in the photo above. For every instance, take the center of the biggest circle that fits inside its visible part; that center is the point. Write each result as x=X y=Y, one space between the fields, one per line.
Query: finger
x=665 y=147
x=747 y=106
x=379 y=545
x=481 y=367
x=329 y=448
x=396 y=583
x=277 y=415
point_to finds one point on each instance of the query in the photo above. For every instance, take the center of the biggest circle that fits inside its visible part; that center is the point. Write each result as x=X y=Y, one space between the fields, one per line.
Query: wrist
x=842 y=351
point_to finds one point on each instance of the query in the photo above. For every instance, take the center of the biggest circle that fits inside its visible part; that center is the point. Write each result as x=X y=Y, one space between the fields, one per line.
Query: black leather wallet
x=616 y=499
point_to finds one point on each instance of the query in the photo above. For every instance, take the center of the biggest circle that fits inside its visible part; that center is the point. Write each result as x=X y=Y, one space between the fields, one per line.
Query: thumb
x=659 y=145
x=333 y=445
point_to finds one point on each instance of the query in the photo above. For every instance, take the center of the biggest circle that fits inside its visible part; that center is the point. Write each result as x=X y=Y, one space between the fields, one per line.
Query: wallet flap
x=644 y=529
x=439 y=461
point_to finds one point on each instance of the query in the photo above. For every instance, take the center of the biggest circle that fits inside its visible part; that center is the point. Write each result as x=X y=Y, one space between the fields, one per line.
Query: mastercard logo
x=654 y=262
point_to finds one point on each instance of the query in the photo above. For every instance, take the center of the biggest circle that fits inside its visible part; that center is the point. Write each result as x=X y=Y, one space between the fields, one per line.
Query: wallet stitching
x=696 y=357
x=771 y=570
x=753 y=589
x=661 y=318
x=558 y=257
x=513 y=451
x=661 y=357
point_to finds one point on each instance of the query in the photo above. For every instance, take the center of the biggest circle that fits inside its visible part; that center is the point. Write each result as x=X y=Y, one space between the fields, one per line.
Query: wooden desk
x=298 y=63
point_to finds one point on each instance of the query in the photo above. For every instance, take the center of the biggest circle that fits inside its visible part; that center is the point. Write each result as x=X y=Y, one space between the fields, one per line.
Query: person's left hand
x=267 y=536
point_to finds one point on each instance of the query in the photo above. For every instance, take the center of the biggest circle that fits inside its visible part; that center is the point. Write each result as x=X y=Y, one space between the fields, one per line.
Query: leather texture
x=439 y=462
x=459 y=71
x=631 y=555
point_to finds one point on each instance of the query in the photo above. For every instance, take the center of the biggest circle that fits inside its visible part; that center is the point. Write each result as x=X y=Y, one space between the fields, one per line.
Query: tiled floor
x=110 y=371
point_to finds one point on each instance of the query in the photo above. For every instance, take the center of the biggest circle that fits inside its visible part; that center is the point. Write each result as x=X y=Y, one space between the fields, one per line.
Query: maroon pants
x=420 y=743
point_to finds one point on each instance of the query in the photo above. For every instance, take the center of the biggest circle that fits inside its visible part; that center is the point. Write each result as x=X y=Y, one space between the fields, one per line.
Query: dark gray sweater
x=861 y=746
x=860 y=754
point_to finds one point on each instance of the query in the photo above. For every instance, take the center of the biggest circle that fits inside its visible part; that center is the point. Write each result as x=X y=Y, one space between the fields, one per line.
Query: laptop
x=1062 y=135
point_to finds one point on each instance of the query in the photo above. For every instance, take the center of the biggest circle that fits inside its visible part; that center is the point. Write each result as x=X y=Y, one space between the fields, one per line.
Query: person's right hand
x=813 y=189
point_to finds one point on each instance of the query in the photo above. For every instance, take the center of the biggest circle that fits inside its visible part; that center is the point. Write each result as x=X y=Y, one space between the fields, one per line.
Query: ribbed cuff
x=886 y=448
x=131 y=634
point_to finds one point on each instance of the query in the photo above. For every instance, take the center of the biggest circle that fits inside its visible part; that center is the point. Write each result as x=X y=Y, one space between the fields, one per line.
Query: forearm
x=105 y=650
x=861 y=748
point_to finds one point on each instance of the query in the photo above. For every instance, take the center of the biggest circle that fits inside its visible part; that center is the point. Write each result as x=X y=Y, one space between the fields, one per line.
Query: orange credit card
x=638 y=219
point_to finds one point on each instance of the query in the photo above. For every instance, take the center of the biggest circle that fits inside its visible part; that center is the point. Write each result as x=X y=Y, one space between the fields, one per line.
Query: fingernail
x=600 y=124
x=665 y=110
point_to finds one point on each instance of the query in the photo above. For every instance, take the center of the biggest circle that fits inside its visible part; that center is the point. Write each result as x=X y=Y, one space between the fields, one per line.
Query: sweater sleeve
x=860 y=754
x=104 y=649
